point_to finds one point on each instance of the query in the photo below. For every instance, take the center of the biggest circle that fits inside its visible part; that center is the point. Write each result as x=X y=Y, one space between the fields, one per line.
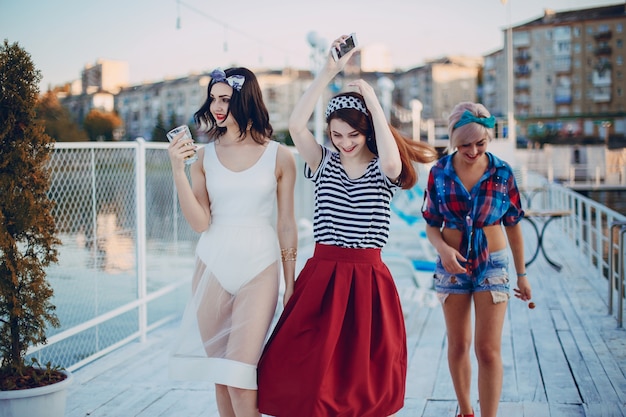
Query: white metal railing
x=590 y=227
x=127 y=253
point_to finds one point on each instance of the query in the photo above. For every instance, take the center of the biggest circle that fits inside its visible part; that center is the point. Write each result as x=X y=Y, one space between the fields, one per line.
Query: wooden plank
x=443 y=389
x=593 y=355
x=509 y=380
x=568 y=344
x=592 y=379
x=413 y=407
x=558 y=381
x=603 y=352
x=509 y=409
x=527 y=372
x=600 y=343
x=129 y=402
x=584 y=381
x=83 y=400
x=427 y=355
x=535 y=409
x=440 y=408
x=610 y=409
x=567 y=410
x=187 y=403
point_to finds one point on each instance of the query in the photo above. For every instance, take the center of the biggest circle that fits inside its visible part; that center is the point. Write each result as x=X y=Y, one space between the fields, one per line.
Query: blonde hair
x=470 y=132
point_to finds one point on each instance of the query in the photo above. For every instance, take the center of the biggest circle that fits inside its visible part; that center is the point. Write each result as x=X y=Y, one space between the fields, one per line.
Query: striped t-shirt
x=351 y=213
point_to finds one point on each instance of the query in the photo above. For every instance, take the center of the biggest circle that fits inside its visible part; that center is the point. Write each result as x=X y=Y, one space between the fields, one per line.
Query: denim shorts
x=495 y=279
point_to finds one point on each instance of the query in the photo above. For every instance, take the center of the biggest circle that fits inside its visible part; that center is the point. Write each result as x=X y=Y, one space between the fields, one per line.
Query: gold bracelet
x=288 y=254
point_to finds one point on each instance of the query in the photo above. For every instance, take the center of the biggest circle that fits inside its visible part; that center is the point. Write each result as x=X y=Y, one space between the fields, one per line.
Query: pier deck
x=565 y=358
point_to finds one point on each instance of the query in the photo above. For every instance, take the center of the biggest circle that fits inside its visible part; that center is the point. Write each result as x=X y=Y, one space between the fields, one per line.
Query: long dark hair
x=410 y=150
x=246 y=106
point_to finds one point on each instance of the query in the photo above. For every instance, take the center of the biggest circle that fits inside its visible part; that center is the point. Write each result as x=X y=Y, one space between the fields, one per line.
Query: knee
x=458 y=348
x=488 y=355
x=238 y=395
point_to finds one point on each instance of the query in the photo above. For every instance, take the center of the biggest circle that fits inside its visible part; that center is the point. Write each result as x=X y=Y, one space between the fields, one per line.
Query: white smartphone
x=349 y=44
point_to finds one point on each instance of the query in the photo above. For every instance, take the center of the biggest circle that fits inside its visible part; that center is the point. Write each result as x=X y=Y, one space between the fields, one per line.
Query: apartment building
x=96 y=89
x=176 y=101
x=105 y=74
x=493 y=94
x=141 y=107
x=439 y=85
x=569 y=75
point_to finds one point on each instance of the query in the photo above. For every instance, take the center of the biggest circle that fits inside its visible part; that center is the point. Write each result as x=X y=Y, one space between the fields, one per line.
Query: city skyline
x=168 y=39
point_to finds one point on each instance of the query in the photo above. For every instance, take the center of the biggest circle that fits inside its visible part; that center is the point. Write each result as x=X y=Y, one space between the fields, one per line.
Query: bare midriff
x=495 y=237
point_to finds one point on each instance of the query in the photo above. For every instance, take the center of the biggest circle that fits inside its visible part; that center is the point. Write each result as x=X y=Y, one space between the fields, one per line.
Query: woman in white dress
x=241 y=198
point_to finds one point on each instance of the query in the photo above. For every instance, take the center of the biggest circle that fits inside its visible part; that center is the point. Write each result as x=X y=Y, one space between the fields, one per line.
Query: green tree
x=100 y=125
x=283 y=137
x=57 y=120
x=27 y=228
x=159 y=133
x=173 y=122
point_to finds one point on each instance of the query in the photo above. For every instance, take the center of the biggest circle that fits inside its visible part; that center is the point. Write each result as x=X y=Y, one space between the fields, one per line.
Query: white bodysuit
x=235 y=285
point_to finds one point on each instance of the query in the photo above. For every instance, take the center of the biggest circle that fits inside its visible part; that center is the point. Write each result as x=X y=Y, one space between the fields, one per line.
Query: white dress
x=235 y=283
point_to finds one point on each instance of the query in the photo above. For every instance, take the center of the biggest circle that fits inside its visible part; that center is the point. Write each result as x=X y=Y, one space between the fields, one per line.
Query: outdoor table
x=530 y=192
x=546 y=216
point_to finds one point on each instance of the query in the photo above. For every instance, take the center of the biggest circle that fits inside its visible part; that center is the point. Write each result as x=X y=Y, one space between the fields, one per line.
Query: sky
x=172 y=38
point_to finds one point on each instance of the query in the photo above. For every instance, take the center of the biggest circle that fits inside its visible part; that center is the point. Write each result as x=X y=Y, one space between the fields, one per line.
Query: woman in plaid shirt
x=470 y=195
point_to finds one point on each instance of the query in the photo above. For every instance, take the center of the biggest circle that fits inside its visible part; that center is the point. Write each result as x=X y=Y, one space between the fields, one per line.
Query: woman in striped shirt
x=339 y=348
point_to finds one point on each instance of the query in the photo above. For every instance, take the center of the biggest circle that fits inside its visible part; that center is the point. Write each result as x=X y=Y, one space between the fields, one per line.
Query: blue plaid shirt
x=494 y=199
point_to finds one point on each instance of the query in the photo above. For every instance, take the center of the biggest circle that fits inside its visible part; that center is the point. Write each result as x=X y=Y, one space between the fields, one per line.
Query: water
x=613 y=199
x=88 y=283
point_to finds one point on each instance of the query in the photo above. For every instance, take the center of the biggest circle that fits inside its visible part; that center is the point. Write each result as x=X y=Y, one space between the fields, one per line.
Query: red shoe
x=465 y=415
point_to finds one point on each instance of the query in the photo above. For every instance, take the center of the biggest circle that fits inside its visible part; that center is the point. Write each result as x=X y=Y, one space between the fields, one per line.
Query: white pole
x=431 y=131
x=416 y=113
x=550 y=173
x=319 y=122
x=510 y=105
x=318 y=50
x=386 y=86
x=142 y=280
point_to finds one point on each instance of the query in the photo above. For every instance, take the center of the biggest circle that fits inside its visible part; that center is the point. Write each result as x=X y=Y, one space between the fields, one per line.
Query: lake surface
x=613 y=199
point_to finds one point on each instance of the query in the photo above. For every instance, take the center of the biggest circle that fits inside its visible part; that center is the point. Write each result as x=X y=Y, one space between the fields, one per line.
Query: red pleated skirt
x=339 y=348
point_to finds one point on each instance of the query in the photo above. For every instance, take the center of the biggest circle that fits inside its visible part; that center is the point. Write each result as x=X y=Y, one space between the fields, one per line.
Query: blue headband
x=467 y=117
x=235 y=81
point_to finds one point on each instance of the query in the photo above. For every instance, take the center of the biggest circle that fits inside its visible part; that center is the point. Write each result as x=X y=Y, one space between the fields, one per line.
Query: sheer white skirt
x=233 y=301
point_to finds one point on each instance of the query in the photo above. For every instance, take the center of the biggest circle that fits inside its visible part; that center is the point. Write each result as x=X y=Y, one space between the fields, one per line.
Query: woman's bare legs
x=224 y=403
x=488 y=345
x=241 y=336
x=457 y=313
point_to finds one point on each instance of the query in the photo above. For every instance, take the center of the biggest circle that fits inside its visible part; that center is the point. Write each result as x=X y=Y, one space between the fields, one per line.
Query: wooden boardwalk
x=565 y=358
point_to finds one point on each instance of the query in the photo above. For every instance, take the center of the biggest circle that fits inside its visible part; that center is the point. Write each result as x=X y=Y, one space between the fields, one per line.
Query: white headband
x=345 y=102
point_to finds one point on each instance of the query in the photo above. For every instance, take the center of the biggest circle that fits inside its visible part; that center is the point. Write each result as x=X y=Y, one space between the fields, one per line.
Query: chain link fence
x=127 y=252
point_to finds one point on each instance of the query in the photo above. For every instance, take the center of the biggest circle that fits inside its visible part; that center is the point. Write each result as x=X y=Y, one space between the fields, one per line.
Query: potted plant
x=27 y=243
